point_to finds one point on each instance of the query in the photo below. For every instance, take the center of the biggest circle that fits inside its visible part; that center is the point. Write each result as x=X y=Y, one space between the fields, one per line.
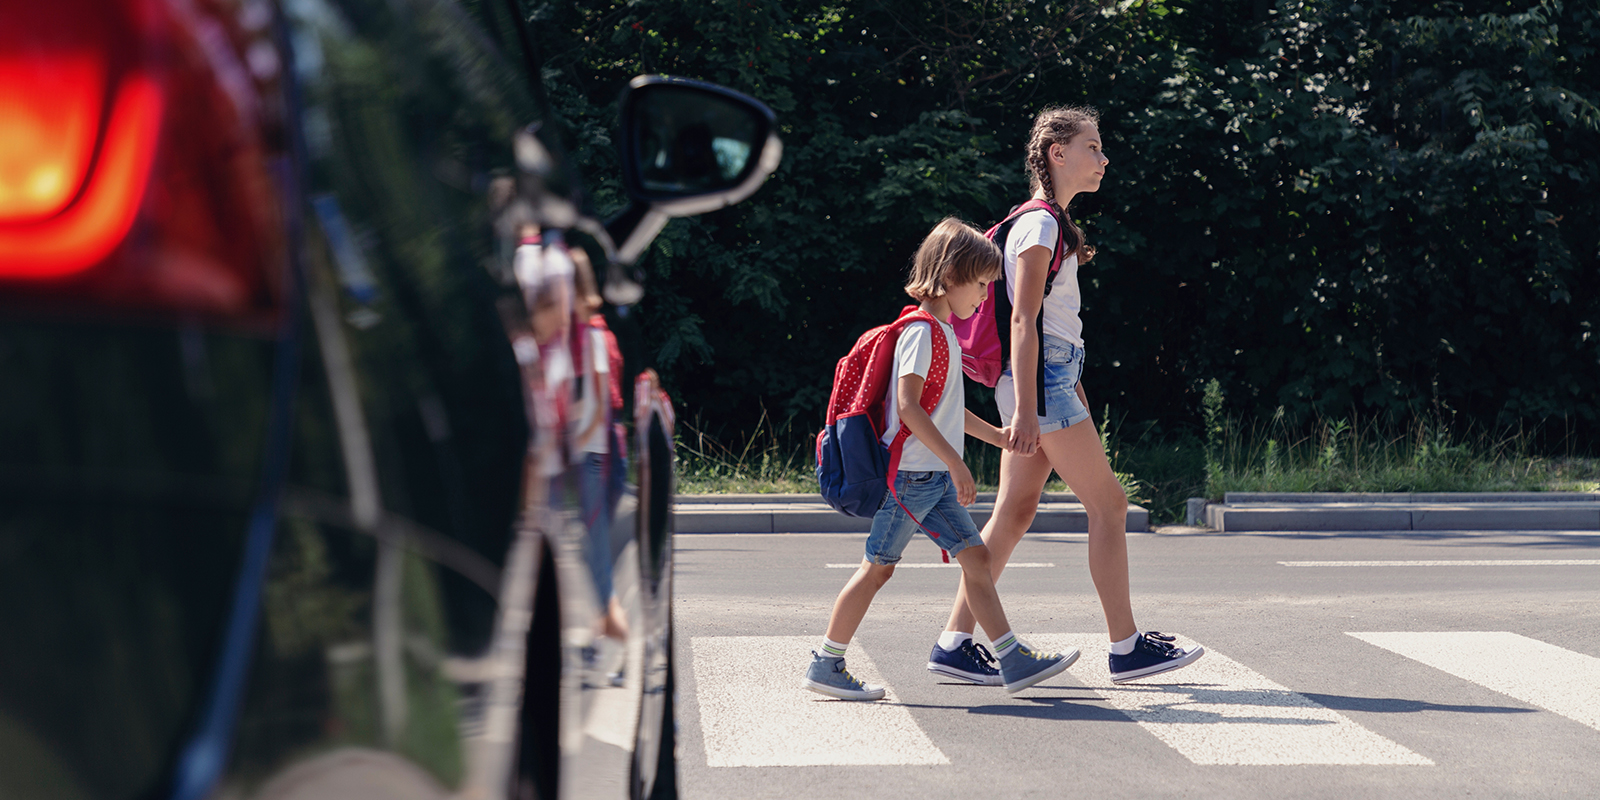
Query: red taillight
x=49 y=115
x=137 y=142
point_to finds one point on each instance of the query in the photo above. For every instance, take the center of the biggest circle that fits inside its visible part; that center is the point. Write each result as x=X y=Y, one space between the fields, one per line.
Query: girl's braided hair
x=1058 y=125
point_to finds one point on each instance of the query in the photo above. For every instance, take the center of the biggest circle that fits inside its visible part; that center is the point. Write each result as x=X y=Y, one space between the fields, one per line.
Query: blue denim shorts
x=930 y=496
x=1063 y=366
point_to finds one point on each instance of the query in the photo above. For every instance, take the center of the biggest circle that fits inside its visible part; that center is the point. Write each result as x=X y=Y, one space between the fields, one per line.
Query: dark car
x=292 y=497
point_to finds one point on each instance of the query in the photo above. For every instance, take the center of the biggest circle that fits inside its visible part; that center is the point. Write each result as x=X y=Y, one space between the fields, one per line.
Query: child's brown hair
x=954 y=253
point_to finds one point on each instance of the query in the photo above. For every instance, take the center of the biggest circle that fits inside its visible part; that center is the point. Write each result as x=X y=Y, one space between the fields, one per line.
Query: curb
x=1059 y=512
x=1264 y=512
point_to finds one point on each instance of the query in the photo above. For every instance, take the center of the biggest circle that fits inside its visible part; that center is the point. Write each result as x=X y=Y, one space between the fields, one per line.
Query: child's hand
x=966 y=488
x=1004 y=442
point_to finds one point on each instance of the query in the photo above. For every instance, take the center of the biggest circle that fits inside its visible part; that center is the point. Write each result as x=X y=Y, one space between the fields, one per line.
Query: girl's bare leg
x=977 y=584
x=1022 y=478
x=1077 y=455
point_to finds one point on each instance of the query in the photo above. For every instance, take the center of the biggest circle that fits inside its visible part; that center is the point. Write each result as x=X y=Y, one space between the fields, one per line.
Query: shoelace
x=1032 y=653
x=979 y=653
x=1160 y=643
x=851 y=679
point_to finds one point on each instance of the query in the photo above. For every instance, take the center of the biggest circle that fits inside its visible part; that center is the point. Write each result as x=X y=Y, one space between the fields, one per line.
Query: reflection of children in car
x=596 y=452
x=544 y=272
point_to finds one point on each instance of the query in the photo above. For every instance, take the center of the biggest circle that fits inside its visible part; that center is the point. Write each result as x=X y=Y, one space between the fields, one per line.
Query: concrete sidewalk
x=1402 y=511
x=1059 y=512
x=1240 y=512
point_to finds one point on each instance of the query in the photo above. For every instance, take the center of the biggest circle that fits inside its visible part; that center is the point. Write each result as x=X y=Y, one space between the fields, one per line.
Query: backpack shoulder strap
x=932 y=391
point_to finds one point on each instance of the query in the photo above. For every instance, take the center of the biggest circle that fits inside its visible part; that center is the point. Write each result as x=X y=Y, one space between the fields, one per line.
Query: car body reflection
x=293 y=500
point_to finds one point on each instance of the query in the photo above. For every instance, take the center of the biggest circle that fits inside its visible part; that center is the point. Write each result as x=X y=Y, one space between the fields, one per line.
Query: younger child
x=950 y=275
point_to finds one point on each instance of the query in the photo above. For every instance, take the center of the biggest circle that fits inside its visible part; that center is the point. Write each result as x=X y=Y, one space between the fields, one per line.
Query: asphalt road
x=1457 y=665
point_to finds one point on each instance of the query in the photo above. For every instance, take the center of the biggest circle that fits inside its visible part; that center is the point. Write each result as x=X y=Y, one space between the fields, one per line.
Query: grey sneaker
x=828 y=676
x=1024 y=667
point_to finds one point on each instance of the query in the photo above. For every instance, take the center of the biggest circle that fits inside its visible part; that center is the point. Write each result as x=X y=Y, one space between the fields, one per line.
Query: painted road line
x=1218 y=711
x=1529 y=562
x=1541 y=674
x=951 y=565
x=753 y=712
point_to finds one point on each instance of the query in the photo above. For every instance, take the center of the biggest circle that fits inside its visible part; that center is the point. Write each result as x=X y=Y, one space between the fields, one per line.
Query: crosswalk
x=1218 y=711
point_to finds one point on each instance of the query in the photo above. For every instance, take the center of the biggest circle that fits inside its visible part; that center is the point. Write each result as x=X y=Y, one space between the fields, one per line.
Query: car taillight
x=140 y=142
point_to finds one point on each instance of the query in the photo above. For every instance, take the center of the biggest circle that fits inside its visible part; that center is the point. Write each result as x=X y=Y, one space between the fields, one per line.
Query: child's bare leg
x=977 y=585
x=1022 y=478
x=615 y=622
x=1079 y=457
x=855 y=599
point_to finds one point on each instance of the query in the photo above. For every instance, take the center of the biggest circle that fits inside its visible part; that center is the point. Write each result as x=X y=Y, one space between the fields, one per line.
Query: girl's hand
x=966 y=487
x=1023 y=434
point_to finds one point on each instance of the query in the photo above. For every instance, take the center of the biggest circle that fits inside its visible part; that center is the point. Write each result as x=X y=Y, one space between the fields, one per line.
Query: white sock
x=833 y=649
x=1125 y=646
x=1004 y=644
x=950 y=640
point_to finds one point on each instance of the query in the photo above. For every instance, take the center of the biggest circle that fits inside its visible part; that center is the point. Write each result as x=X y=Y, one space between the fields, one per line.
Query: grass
x=760 y=462
x=1421 y=456
x=1161 y=469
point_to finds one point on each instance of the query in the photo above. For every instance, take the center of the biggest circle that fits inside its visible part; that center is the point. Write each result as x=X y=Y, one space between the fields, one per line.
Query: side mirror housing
x=688 y=147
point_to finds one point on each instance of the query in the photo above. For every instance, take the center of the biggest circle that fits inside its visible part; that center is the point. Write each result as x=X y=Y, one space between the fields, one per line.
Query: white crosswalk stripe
x=1218 y=711
x=1535 y=672
x=792 y=727
x=1215 y=712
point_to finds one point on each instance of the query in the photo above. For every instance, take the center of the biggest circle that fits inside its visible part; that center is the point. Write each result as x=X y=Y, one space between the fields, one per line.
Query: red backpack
x=985 y=336
x=854 y=468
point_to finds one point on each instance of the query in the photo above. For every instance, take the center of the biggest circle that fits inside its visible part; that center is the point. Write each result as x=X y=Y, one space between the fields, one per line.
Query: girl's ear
x=1058 y=154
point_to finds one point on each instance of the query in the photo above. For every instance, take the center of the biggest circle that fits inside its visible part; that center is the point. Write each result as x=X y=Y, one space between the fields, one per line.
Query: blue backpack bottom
x=852 y=466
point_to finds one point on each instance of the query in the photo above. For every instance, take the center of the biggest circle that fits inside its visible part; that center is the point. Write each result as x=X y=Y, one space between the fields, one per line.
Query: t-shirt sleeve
x=913 y=353
x=1032 y=229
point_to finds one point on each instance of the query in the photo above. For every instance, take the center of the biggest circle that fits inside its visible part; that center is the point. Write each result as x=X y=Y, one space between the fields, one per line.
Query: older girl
x=1065 y=157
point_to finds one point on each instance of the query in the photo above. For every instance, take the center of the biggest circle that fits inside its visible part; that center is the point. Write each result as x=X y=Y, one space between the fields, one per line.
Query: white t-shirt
x=1061 y=306
x=913 y=355
x=534 y=264
x=596 y=398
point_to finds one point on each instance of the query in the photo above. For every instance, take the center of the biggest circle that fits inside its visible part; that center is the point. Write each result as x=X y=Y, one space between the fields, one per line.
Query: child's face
x=965 y=298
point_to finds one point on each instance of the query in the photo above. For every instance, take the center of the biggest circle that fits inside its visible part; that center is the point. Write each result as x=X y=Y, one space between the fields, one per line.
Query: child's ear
x=1058 y=153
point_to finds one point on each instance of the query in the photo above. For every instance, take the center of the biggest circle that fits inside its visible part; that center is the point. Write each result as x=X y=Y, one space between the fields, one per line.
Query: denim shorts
x=1063 y=366
x=930 y=496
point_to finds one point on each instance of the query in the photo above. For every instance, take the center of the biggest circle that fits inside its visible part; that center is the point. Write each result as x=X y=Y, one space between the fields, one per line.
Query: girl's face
x=965 y=298
x=1078 y=165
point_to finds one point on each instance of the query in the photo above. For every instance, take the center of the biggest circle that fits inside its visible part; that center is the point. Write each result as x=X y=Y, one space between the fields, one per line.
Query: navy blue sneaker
x=1153 y=654
x=1024 y=667
x=971 y=662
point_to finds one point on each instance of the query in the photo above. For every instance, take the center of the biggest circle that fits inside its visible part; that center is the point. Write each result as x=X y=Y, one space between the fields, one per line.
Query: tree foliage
x=1381 y=208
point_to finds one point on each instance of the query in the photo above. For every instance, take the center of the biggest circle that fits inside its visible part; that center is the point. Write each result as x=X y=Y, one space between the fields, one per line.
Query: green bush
x=1384 y=209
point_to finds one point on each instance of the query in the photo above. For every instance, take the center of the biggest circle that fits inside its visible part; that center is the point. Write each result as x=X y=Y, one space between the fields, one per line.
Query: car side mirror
x=688 y=147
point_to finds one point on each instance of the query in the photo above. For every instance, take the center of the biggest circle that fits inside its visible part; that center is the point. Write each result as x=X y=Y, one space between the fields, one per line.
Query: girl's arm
x=908 y=402
x=1033 y=269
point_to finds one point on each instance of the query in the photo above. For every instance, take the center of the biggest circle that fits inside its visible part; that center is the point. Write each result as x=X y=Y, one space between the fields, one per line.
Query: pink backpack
x=986 y=335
